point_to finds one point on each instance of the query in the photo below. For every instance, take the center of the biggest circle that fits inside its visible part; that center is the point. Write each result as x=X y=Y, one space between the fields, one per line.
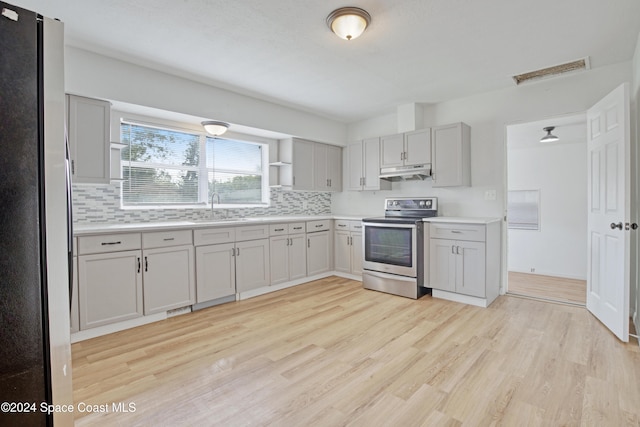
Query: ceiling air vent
x=581 y=64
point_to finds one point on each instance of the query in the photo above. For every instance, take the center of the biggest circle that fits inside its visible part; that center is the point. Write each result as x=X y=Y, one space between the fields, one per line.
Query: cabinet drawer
x=297 y=227
x=355 y=226
x=341 y=224
x=252 y=232
x=212 y=236
x=319 y=225
x=108 y=243
x=471 y=232
x=278 y=229
x=162 y=239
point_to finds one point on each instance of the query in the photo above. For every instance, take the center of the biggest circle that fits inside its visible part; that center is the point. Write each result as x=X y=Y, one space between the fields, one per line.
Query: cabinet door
x=252 y=264
x=320 y=164
x=297 y=256
x=168 y=278
x=318 y=252
x=356 y=253
x=334 y=168
x=75 y=310
x=417 y=147
x=89 y=134
x=470 y=268
x=371 y=166
x=354 y=172
x=109 y=288
x=451 y=155
x=442 y=264
x=215 y=271
x=342 y=251
x=302 y=165
x=392 y=150
x=279 y=259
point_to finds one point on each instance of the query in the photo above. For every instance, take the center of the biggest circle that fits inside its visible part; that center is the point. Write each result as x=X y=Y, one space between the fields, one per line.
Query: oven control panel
x=424 y=203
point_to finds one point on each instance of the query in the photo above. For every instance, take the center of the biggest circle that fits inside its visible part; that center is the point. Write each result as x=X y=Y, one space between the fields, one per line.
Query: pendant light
x=549 y=137
x=215 y=127
x=348 y=22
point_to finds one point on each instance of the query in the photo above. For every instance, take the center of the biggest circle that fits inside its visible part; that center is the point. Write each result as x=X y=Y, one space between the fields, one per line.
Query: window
x=523 y=209
x=165 y=167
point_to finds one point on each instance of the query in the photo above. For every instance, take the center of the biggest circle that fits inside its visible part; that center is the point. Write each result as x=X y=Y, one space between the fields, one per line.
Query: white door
x=609 y=210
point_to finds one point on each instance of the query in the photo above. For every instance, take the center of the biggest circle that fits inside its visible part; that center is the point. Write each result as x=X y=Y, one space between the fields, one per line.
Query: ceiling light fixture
x=215 y=127
x=348 y=22
x=549 y=137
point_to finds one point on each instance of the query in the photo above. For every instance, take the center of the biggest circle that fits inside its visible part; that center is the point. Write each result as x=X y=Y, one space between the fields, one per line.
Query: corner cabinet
x=451 y=152
x=464 y=261
x=308 y=166
x=363 y=166
x=89 y=130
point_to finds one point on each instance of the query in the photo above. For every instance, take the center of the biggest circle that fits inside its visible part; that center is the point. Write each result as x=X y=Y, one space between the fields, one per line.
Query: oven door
x=390 y=248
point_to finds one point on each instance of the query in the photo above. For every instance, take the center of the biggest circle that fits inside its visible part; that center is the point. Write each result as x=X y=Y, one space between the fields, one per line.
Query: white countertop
x=461 y=220
x=101 y=228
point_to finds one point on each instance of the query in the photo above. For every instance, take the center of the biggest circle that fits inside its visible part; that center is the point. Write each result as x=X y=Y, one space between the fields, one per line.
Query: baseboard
x=548 y=273
x=347 y=275
x=636 y=323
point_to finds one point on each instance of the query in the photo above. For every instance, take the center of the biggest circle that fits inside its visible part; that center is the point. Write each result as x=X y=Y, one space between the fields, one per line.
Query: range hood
x=406 y=173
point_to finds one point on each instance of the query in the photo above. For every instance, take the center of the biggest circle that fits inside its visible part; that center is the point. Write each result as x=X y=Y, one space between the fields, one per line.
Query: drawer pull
x=297 y=228
x=342 y=225
x=110 y=243
x=168 y=239
x=456 y=231
x=279 y=229
x=319 y=226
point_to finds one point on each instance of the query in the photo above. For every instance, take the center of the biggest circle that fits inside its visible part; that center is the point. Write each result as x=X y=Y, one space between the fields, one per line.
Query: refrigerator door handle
x=69 y=215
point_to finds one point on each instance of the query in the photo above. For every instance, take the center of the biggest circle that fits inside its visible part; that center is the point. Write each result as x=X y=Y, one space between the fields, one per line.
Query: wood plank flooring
x=559 y=289
x=329 y=353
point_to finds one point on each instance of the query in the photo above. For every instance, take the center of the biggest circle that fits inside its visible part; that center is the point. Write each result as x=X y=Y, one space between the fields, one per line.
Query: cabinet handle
x=279 y=229
x=146 y=264
x=342 y=225
x=453 y=249
x=401 y=155
x=308 y=243
x=169 y=239
x=319 y=226
x=110 y=243
x=329 y=182
x=73 y=167
x=457 y=250
x=297 y=228
x=456 y=231
x=238 y=251
x=294 y=180
x=233 y=251
x=138 y=264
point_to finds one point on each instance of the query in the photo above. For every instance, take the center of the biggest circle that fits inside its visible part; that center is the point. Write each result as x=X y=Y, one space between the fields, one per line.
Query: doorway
x=547 y=210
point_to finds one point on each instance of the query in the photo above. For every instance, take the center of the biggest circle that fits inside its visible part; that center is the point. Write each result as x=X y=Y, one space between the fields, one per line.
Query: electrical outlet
x=533 y=270
x=490 y=195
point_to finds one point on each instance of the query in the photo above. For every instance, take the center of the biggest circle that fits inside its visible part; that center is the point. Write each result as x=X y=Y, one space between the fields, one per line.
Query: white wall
x=487 y=114
x=93 y=75
x=635 y=150
x=558 y=171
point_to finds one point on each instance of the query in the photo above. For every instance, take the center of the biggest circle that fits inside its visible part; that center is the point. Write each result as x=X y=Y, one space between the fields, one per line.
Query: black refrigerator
x=35 y=232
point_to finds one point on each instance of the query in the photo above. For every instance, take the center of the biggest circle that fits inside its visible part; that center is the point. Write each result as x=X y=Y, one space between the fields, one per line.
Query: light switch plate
x=490 y=195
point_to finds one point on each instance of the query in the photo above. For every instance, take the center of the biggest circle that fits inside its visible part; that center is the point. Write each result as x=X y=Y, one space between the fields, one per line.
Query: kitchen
x=95 y=76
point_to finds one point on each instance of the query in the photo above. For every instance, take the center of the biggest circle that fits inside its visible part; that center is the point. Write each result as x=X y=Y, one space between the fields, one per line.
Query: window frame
x=204 y=201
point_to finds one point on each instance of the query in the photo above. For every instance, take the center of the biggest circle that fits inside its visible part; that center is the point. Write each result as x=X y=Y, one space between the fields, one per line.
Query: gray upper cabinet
x=89 y=139
x=363 y=166
x=406 y=149
x=309 y=166
x=327 y=163
x=451 y=152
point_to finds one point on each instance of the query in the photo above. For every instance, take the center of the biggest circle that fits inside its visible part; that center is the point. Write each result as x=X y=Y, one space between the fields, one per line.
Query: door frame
x=505 y=190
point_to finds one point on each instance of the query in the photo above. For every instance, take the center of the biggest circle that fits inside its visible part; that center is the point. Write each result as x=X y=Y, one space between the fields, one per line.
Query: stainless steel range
x=393 y=247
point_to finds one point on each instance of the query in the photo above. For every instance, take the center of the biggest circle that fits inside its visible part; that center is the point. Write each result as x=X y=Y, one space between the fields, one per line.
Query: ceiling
x=424 y=51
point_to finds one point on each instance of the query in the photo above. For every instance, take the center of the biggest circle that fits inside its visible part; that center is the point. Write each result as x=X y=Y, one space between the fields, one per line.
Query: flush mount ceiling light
x=348 y=22
x=214 y=127
x=549 y=137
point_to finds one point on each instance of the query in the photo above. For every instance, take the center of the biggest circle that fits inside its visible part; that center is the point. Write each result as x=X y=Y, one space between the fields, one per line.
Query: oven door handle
x=388 y=225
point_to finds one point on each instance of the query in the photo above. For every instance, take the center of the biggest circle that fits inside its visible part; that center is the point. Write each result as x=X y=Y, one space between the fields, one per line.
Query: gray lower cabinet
x=169 y=280
x=464 y=260
x=318 y=246
x=252 y=264
x=110 y=288
x=215 y=271
x=288 y=252
x=347 y=246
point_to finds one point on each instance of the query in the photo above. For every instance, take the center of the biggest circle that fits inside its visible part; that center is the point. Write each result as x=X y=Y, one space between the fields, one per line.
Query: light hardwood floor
x=329 y=353
x=548 y=287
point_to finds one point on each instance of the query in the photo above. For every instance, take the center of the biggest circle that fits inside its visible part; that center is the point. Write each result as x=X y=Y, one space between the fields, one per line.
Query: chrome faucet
x=214 y=195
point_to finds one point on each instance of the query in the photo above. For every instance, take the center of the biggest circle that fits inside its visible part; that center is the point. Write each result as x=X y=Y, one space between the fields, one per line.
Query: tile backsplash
x=100 y=203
